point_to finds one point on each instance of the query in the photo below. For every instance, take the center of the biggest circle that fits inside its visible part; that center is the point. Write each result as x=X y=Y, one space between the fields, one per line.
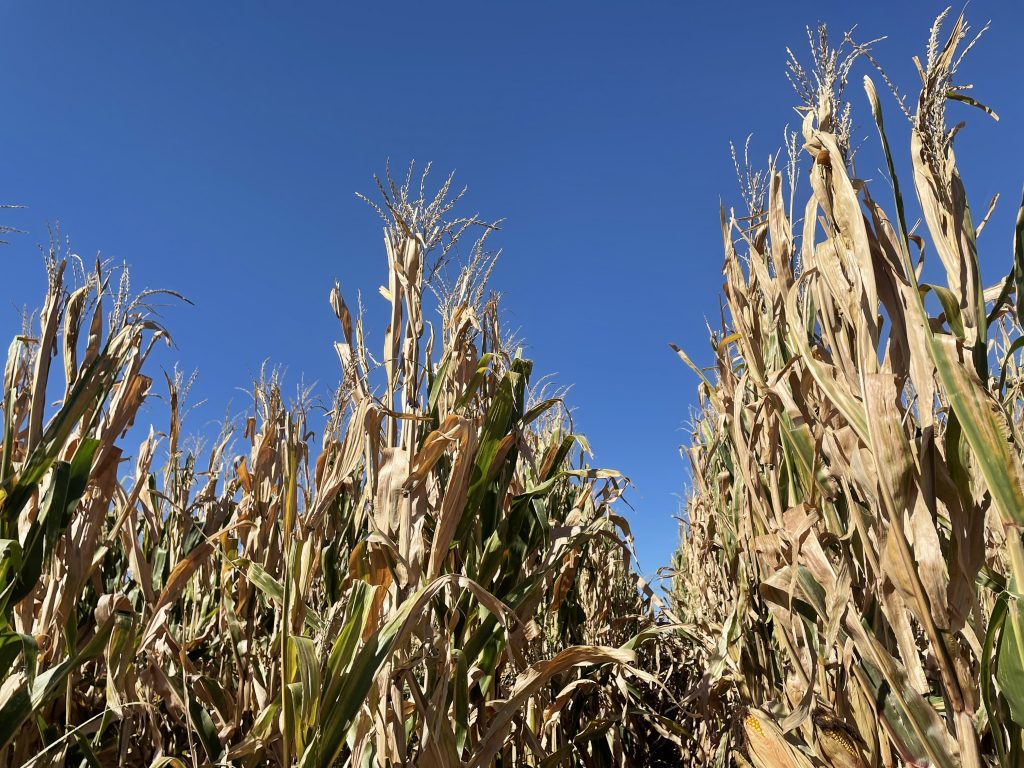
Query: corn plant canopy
x=431 y=573
x=851 y=559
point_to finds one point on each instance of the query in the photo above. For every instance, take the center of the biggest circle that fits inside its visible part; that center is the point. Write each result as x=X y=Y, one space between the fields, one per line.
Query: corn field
x=429 y=574
x=851 y=566
x=428 y=570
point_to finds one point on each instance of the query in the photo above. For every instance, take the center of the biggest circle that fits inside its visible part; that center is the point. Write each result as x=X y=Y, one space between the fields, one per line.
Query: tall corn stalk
x=852 y=554
x=438 y=578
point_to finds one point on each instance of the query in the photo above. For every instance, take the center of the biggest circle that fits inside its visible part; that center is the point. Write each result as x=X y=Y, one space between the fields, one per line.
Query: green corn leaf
x=1010 y=658
x=66 y=487
x=989 y=694
x=1018 y=261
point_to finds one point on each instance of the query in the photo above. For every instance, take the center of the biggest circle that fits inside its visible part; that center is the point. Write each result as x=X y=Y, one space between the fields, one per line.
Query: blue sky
x=218 y=152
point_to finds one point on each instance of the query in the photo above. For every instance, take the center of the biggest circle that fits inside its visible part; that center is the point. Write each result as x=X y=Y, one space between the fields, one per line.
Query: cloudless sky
x=216 y=147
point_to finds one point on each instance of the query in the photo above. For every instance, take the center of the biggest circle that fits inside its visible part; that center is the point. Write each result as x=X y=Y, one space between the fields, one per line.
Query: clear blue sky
x=217 y=150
